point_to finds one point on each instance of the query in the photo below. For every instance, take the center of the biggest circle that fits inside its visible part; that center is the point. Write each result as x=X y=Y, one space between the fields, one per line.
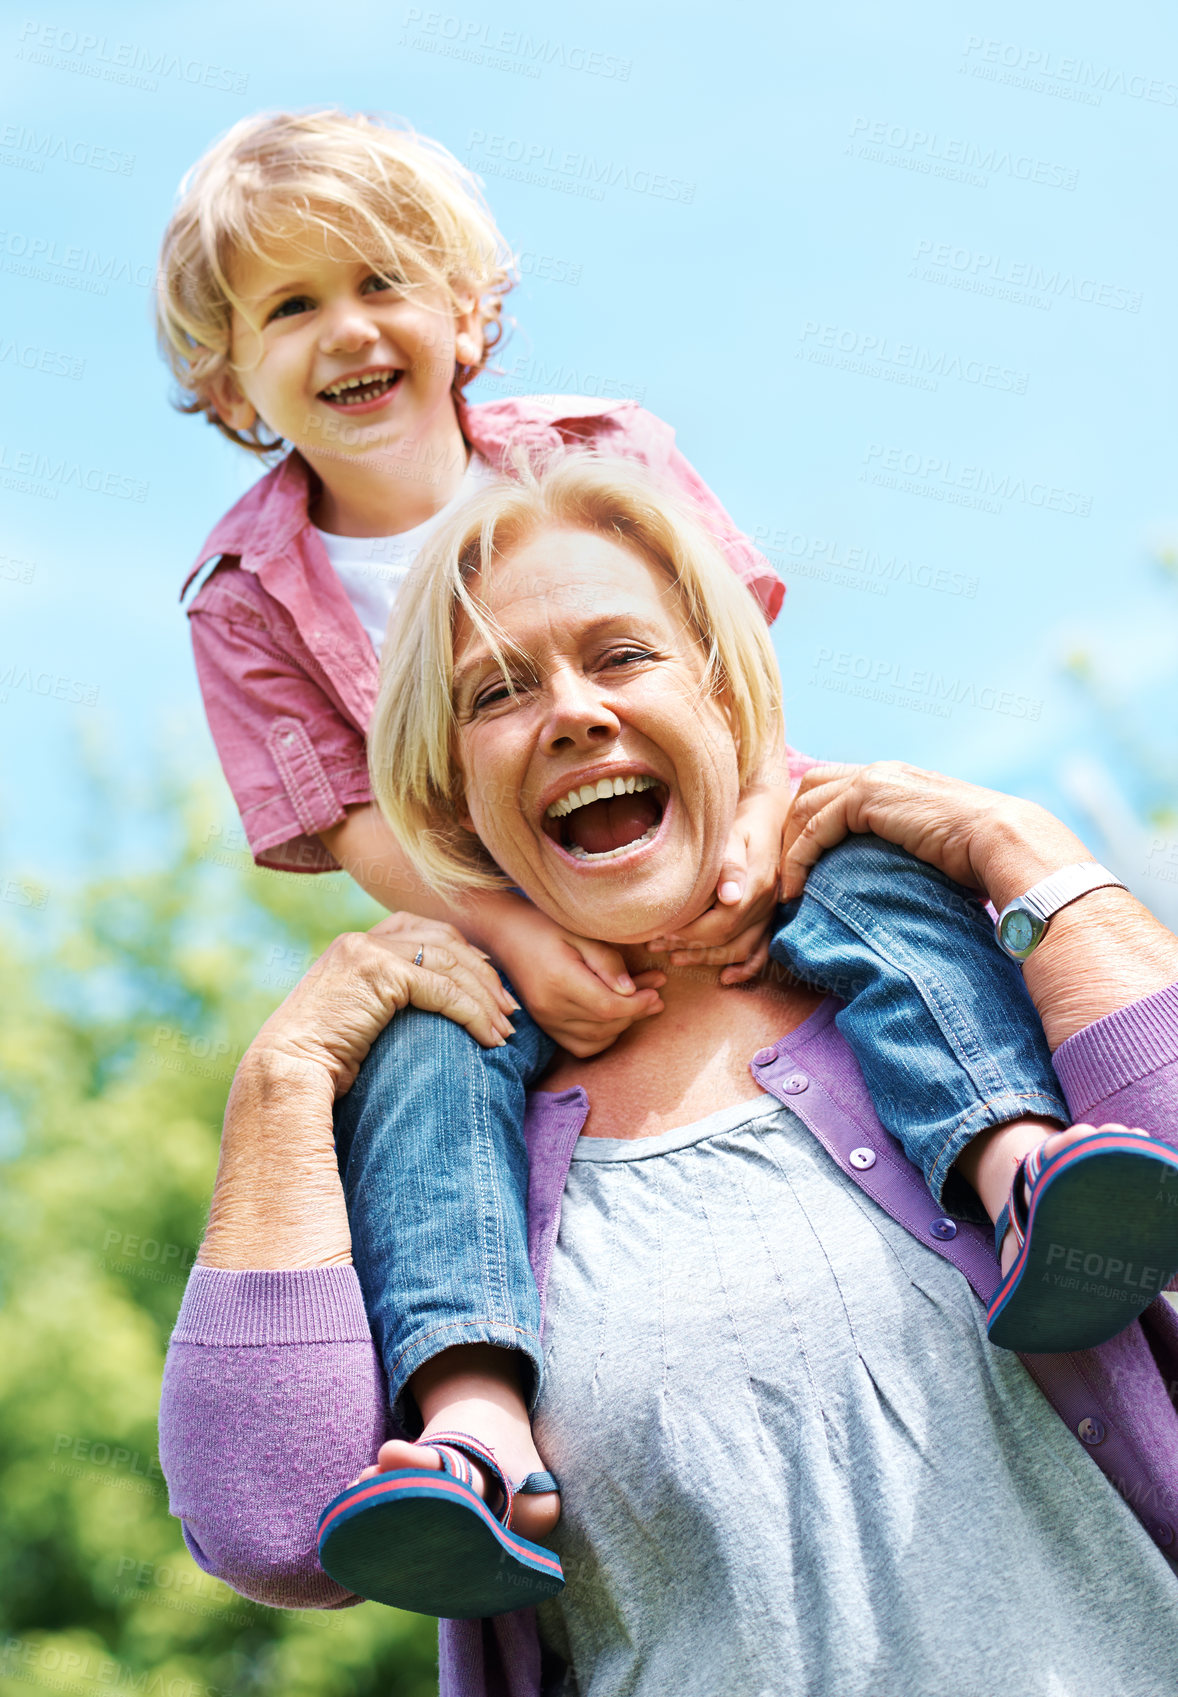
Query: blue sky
x=902 y=284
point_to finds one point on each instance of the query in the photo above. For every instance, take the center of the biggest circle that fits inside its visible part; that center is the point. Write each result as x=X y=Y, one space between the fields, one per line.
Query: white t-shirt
x=373 y=568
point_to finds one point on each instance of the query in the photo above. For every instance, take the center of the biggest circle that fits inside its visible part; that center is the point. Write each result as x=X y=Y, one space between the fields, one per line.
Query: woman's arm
x=1099 y=955
x=273 y=1395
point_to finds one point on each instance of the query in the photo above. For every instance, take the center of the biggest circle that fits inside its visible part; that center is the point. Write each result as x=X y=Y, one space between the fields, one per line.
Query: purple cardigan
x=273 y=1394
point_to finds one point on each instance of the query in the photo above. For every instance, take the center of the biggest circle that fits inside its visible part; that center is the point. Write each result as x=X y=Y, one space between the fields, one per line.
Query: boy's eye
x=376 y=283
x=288 y=308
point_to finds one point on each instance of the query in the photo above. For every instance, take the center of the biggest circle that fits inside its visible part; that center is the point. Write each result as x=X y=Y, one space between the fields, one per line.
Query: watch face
x=1019 y=931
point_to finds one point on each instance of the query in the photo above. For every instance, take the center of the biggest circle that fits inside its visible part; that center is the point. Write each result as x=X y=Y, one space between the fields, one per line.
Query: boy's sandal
x=1097 y=1232
x=428 y=1542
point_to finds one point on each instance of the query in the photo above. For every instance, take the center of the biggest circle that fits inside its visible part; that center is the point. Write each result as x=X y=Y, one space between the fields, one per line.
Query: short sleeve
x=292 y=760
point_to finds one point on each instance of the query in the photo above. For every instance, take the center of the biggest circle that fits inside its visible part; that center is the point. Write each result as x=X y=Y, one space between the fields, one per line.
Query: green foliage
x=121 y=1021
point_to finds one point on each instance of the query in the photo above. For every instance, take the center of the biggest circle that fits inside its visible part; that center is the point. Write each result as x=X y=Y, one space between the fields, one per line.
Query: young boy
x=330 y=287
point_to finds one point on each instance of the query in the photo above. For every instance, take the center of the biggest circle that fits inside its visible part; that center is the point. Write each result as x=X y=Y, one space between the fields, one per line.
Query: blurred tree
x=123 y=1011
x=1129 y=792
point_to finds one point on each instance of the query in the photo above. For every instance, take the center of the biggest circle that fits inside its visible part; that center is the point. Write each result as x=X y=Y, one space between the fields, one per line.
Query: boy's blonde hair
x=401 y=201
x=411 y=740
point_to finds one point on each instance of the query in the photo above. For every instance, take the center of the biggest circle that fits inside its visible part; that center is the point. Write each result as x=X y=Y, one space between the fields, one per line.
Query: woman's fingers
x=410 y=934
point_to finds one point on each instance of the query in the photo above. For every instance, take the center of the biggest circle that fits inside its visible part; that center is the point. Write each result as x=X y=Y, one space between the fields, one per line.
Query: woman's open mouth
x=365 y=390
x=607 y=819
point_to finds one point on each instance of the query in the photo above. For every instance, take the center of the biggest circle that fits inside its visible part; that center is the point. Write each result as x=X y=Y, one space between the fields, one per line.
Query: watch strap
x=1067 y=885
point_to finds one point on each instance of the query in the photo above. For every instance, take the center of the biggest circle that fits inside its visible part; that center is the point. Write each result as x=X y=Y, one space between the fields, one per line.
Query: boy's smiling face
x=334 y=359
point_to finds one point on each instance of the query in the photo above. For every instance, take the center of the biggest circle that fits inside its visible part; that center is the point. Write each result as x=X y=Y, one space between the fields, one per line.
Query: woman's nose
x=578 y=715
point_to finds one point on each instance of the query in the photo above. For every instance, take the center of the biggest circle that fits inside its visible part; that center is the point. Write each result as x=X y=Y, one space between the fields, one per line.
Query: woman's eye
x=628 y=656
x=491 y=696
x=288 y=309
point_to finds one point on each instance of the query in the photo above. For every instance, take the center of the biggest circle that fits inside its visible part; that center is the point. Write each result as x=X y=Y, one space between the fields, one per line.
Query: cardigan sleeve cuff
x=255 y=1309
x=1119 y=1050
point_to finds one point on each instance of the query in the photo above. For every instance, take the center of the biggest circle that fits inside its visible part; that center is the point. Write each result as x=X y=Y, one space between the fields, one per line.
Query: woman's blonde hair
x=402 y=203
x=411 y=740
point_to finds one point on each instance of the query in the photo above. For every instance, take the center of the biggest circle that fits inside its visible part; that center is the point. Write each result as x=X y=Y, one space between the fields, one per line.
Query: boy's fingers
x=606 y=964
x=744 y=970
x=732 y=953
x=731 y=882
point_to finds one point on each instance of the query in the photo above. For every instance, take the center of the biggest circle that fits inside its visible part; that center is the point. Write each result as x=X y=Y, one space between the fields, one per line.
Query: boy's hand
x=576 y=990
x=734 y=932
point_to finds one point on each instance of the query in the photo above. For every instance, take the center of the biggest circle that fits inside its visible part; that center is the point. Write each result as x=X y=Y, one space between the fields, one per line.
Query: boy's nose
x=347 y=331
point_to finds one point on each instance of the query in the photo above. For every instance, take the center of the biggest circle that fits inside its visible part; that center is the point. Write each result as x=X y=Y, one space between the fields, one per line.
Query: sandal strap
x=454 y=1449
x=536 y=1482
x=1014 y=1215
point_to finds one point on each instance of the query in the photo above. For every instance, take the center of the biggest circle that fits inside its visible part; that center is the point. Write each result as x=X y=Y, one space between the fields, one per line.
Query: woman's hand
x=981 y=838
x=734 y=931
x=278 y=1201
x=337 y=1010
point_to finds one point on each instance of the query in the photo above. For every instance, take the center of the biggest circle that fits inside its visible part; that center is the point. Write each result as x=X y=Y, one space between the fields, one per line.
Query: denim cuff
x=952 y=1192
x=424 y=1347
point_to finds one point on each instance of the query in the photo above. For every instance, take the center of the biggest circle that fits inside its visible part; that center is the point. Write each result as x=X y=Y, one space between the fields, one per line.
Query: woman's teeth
x=600 y=791
x=578 y=853
x=352 y=390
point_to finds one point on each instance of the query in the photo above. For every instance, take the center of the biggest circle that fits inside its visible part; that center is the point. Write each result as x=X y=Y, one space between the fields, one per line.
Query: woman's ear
x=232 y=406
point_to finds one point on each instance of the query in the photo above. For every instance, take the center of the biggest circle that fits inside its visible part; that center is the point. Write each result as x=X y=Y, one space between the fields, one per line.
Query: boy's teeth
x=344 y=389
x=600 y=791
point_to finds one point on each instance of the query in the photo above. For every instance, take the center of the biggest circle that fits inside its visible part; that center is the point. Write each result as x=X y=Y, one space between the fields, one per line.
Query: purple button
x=862 y=1158
x=944 y=1229
x=796 y=1083
x=1161 y=1533
x=764 y=1056
x=1091 y=1431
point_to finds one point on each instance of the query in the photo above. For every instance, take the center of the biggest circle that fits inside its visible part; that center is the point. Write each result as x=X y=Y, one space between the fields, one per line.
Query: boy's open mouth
x=364 y=386
x=602 y=820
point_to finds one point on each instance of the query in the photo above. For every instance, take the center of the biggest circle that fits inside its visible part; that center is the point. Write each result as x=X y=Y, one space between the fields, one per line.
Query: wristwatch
x=1022 y=922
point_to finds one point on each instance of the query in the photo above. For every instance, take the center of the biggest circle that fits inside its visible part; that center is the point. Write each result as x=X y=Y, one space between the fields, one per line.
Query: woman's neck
x=684 y=1063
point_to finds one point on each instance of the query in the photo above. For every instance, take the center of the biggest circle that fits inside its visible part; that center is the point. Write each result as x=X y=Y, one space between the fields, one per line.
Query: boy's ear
x=232 y=407
x=469 y=341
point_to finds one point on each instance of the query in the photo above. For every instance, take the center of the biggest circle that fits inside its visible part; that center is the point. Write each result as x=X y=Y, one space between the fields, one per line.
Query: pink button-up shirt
x=288 y=675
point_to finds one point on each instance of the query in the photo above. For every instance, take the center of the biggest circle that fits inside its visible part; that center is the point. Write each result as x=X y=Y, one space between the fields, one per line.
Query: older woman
x=790 y=1461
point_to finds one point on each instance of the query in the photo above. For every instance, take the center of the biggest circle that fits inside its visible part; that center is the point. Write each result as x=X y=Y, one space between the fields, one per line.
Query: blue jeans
x=430 y=1146
x=939 y=1019
x=430 y=1136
